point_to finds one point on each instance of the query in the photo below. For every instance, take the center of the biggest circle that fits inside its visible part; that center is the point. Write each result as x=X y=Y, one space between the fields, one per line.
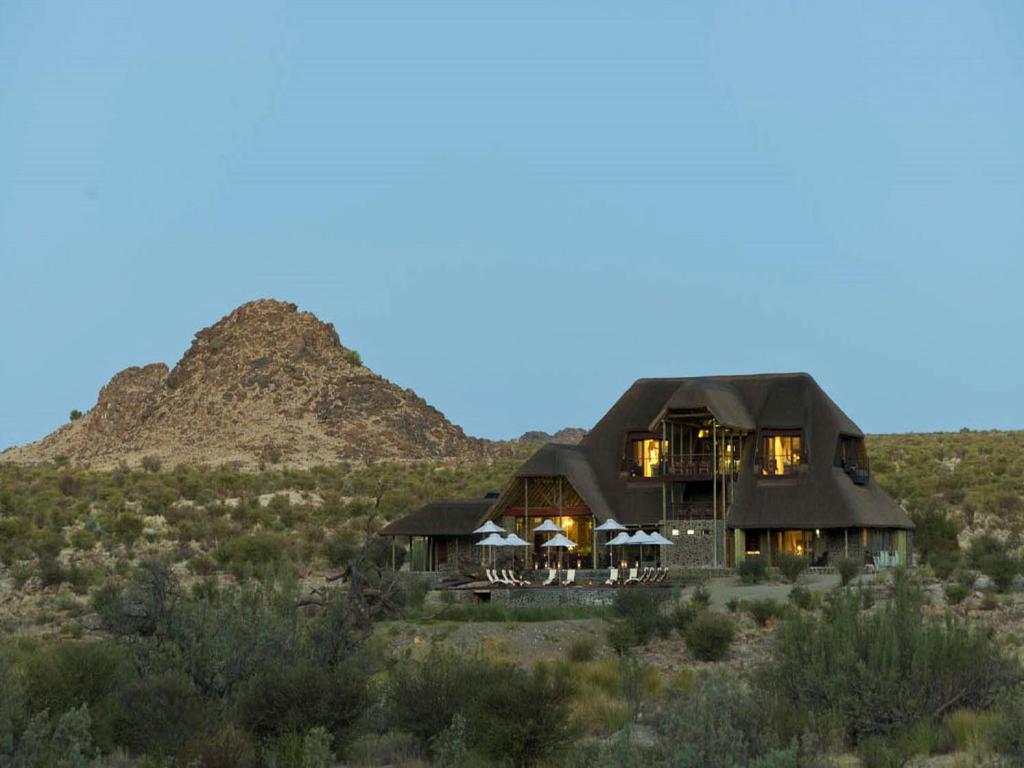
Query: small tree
x=75 y=415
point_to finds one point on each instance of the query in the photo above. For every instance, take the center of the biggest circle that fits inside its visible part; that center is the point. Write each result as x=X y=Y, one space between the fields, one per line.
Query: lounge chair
x=660 y=576
x=647 y=576
x=570 y=577
x=613 y=577
x=551 y=579
x=491 y=578
x=633 y=578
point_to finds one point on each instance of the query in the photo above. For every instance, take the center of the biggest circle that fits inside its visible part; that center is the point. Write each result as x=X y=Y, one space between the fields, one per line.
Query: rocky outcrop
x=265 y=384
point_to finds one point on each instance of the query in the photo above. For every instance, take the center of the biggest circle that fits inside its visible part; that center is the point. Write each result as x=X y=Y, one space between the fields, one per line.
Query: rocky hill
x=567 y=435
x=265 y=385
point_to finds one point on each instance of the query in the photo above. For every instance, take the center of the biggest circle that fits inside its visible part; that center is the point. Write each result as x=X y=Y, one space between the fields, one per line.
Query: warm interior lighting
x=647 y=456
x=690 y=531
x=702 y=433
x=781 y=454
x=675 y=531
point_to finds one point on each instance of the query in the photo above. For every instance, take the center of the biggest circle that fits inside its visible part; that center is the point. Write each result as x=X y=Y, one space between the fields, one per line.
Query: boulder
x=984 y=584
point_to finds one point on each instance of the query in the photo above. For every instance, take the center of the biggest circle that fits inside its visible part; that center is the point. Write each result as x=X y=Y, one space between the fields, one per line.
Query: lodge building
x=726 y=467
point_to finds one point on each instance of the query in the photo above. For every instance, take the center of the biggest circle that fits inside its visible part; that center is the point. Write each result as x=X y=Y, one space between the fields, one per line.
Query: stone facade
x=694 y=550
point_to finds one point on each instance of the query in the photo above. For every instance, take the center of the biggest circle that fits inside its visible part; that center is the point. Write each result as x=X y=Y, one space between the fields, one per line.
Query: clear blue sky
x=518 y=208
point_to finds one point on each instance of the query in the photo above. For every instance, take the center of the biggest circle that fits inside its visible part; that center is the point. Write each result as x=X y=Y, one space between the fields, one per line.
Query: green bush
x=157 y=715
x=955 y=592
x=622 y=636
x=792 y=566
x=582 y=649
x=641 y=609
x=682 y=614
x=701 y=598
x=848 y=569
x=936 y=541
x=1006 y=735
x=764 y=610
x=714 y=723
x=753 y=570
x=709 y=636
x=801 y=597
x=62 y=676
x=295 y=697
x=877 y=672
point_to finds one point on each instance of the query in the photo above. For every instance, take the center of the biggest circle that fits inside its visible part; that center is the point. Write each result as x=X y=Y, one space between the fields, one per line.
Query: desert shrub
x=202 y=565
x=157 y=714
x=622 y=637
x=970 y=730
x=353 y=358
x=732 y=604
x=338 y=551
x=75 y=414
x=295 y=697
x=792 y=566
x=764 y=610
x=701 y=597
x=411 y=592
x=641 y=609
x=525 y=719
x=848 y=569
x=709 y=636
x=801 y=597
x=389 y=748
x=993 y=559
x=955 y=592
x=681 y=615
x=936 y=542
x=1006 y=731
x=989 y=601
x=424 y=695
x=83 y=539
x=582 y=649
x=715 y=723
x=253 y=552
x=151 y=463
x=878 y=672
x=753 y=570
x=225 y=748
x=62 y=676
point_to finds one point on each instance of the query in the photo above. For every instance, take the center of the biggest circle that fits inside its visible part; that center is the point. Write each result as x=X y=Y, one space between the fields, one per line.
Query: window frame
x=761 y=465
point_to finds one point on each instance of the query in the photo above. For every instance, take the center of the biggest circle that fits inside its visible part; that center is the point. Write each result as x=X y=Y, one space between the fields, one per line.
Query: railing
x=690 y=510
x=686 y=464
x=771 y=469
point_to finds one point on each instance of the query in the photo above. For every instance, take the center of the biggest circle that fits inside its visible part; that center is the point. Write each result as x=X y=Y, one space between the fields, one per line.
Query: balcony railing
x=690 y=510
x=686 y=466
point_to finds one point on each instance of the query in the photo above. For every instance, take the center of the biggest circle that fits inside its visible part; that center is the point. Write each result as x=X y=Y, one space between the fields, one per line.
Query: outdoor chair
x=552 y=577
x=506 y=578
x=633 y=579
x=570 y=577
x=613 y=577
x=491 y=579
x=519 y=580
x=661 y=575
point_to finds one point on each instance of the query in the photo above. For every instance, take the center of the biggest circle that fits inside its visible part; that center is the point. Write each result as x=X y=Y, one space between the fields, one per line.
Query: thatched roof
x=441 y=518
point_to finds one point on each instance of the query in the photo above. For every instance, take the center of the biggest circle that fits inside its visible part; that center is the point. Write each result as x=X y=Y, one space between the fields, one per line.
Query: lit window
x=780 y=453
x=646 y=457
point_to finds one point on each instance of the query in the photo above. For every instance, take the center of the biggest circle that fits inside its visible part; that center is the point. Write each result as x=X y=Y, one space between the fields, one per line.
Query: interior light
x=690 y=531
x=675 y=531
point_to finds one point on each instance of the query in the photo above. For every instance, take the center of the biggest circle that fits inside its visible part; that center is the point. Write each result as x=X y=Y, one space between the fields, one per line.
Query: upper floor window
x=853 y=458
x=781 y=452
x=644 y=455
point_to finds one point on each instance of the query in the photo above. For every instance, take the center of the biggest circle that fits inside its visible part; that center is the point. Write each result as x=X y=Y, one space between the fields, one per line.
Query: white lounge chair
x=613 y=577
x=491 y=578
x=633 y=578
x=552 y=577
x=661 y=575
x=570 y=577
x=509 y=579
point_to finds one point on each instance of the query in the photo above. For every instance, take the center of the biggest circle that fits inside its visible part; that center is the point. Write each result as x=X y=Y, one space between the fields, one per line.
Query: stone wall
x=584 y=596
x=694 y=550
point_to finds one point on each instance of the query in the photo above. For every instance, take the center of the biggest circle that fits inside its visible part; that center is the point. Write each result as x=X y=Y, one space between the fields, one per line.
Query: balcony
x=690 y=510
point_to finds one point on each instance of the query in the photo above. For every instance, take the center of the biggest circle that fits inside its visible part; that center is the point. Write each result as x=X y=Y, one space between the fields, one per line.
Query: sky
x=519 y=208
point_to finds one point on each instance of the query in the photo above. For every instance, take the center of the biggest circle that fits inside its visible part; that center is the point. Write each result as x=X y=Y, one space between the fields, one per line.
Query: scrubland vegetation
x=191 y=617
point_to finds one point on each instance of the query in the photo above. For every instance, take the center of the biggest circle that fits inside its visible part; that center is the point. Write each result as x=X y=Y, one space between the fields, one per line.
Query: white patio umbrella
x=490 y=527
x=620 y=539
x=548 y=526
x=514 y=541
x=493 y=540
x=611 y=524
x=641 y=538
x=657 y=538
x=561 y=541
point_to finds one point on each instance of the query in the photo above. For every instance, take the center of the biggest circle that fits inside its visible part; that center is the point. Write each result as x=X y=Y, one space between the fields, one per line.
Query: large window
x=646 y=457
x=781 y=452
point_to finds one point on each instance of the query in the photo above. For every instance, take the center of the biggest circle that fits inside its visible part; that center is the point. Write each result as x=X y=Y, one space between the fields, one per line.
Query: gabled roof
x=440 y=518
x=568 y=461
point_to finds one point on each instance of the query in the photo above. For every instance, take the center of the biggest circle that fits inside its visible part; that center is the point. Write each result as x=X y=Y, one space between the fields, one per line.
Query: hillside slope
x=266 y=384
